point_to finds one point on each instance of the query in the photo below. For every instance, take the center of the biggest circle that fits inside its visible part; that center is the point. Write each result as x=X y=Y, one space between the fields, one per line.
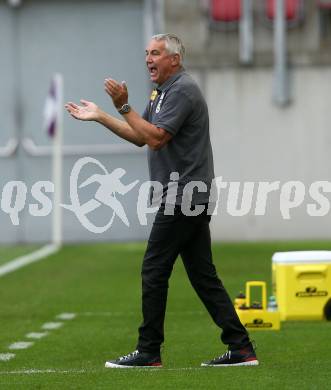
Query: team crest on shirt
x=152 y=98
x=153 y=95
x=158 y=107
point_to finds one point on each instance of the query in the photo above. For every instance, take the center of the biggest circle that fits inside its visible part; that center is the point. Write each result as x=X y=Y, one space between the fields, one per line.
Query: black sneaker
x=136 y=359
x=240 y=357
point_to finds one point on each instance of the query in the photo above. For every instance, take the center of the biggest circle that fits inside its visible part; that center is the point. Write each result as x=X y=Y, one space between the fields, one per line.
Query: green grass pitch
x=101 y=284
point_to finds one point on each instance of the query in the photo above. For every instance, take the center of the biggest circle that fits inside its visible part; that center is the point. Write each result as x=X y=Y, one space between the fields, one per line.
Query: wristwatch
x=125 y=109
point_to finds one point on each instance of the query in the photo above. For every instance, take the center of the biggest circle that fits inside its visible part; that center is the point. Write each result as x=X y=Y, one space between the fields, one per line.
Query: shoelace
x=227 y=354
x=129 y=355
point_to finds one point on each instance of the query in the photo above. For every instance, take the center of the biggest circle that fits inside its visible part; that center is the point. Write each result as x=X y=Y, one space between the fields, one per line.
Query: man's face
x=161 y=65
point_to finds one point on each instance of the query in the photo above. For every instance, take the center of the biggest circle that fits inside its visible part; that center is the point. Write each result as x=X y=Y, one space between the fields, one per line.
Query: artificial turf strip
x=101 y=283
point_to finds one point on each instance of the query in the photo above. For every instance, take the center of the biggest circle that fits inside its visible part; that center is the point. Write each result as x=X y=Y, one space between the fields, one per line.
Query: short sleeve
x=175 y=109
x=145 y=114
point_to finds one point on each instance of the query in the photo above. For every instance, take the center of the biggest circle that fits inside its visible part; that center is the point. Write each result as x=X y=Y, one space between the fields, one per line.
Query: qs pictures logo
x=109 y=185
x=258 y=323
x=311 y=291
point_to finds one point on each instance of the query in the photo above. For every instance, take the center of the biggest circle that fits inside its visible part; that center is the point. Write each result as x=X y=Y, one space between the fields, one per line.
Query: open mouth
x=152 y=70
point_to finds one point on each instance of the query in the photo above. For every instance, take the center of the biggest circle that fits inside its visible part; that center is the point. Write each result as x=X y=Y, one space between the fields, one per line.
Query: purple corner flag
x=51 y=110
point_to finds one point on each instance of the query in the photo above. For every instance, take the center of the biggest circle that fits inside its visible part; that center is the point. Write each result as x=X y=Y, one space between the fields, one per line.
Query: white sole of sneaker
x=113 y=365
x=251 y=363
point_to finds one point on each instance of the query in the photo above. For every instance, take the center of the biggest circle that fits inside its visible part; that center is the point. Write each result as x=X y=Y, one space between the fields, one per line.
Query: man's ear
x=176 y=60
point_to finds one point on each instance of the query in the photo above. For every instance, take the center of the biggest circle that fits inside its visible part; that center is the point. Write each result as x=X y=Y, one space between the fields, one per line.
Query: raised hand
x=89 y=111
x=118 y=92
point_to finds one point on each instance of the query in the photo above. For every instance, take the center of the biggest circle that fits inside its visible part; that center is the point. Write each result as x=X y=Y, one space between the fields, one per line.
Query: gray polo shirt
x=178 y=107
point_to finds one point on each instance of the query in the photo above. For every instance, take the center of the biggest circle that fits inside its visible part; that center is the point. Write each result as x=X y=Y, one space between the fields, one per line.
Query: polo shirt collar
x=163 y=87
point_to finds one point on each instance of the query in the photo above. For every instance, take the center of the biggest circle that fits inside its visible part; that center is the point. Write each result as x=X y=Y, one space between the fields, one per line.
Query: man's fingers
x=84 y=102
x=107 y=89
x=73 y=115
x=110 y=90
x=113 y=84
x=71 y=104
x=112 y=87
x=69 y=108
x=111 y=81
x=124 y=86
x=72 y=112
x=73 y=109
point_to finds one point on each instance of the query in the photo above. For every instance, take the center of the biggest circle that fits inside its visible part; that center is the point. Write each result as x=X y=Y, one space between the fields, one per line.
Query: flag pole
x=57 y=163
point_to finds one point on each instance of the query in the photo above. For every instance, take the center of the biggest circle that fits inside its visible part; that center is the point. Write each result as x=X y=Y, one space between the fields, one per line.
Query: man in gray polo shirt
x=175 y=126
x=180 y=109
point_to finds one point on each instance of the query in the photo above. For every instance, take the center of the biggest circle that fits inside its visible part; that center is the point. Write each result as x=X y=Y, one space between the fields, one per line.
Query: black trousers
x=188 y=236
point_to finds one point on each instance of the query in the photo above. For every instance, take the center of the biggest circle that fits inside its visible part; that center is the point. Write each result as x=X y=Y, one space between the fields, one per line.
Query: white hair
x=173 y=44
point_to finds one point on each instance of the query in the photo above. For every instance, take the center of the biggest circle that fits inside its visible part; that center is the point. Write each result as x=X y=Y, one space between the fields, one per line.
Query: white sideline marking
x=22 y=261
x=105 y=313
x=4 y=357
x=126 y=313
x=52 y=325
x=21 y=345
x=47 y=371
x=53 y=371
x=36 y=335
x=66 y=316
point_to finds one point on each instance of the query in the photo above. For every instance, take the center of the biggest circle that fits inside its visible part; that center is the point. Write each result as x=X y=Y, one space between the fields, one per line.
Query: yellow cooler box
x=257 y=318
x=302 y=284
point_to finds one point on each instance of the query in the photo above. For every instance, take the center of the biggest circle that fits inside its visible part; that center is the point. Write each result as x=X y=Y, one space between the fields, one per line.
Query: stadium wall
x=254 y=140
x=86 y=42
